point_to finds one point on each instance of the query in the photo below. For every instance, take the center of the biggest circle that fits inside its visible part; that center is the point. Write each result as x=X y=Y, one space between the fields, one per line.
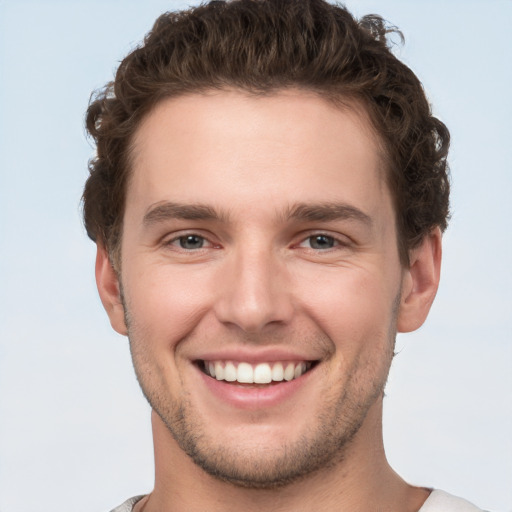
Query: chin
x=262 y=458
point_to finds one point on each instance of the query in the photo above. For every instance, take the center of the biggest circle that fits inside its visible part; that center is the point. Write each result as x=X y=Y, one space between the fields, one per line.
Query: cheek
x=353 y=306
x=165 y=303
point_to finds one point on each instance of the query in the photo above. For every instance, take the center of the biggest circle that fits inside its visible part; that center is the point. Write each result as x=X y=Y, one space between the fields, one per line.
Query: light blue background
x=74 y=428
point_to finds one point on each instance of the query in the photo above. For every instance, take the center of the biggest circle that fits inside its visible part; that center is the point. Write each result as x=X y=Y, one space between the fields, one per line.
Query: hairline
x=341 y=101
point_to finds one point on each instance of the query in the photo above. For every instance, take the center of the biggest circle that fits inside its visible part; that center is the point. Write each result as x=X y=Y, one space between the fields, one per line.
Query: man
x=267 y=200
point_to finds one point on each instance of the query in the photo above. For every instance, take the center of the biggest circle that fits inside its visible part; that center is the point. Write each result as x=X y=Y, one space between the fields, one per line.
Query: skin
x=256 y=283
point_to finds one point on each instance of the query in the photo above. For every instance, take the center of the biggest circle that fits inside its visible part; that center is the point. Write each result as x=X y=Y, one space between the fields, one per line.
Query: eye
x=320 y=242
x=189 y=242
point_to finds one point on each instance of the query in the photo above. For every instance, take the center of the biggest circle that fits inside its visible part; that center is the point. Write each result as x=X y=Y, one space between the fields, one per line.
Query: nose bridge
x=253 y=293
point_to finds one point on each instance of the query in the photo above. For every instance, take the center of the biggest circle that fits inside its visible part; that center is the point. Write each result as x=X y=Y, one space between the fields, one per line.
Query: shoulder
x=440 y=501
x=127 y=506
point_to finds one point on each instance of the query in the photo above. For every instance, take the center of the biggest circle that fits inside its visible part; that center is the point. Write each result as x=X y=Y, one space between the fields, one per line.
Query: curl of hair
x=263 y=46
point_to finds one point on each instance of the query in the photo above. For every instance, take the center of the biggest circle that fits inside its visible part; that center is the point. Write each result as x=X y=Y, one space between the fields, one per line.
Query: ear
x=109 y=290
x=420 y=282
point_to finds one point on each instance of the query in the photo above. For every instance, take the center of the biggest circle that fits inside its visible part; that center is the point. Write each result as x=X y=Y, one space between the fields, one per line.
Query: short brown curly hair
x=263 y=46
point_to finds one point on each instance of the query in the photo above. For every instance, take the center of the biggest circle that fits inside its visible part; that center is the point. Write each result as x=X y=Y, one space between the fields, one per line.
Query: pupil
x=321 y=242
x=191 y=242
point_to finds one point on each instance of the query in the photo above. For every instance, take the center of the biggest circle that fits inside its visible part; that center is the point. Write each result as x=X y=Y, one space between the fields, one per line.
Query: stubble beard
x=318 y=449
x=322 y=447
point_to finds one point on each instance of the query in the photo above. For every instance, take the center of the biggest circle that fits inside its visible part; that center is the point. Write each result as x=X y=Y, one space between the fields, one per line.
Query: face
x=261 y=280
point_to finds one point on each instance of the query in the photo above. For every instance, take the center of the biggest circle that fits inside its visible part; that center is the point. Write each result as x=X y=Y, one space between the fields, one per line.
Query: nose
x=254 y=291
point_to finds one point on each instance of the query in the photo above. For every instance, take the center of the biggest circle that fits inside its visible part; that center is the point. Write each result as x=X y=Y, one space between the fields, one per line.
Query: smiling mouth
x=240 y=372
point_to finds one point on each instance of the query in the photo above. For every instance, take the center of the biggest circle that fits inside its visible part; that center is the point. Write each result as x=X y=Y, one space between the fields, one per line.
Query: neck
x=361 y=480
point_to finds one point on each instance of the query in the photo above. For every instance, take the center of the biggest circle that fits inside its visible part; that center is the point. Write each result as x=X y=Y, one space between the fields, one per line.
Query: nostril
x=253 y=299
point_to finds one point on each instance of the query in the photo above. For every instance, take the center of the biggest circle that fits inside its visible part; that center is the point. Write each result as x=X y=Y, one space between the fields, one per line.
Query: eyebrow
x=304 y=212
x=169 y=210
x=326 y=212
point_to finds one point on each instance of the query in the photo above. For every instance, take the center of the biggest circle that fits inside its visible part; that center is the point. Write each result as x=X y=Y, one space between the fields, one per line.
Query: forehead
x=235 y=148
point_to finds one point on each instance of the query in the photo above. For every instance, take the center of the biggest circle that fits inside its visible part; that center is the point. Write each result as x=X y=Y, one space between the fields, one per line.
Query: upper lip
x=263 y=355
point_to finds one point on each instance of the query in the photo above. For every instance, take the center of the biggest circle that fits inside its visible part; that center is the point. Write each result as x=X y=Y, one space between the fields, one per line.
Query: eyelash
x=329 y=238
x=181 y=238
x=178 y=241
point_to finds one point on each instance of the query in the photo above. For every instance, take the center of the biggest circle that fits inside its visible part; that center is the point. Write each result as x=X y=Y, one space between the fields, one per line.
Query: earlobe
x=109 y=289
x=420 y=282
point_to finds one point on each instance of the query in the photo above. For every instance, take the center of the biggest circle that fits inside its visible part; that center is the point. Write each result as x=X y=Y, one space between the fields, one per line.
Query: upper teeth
x=261 y=373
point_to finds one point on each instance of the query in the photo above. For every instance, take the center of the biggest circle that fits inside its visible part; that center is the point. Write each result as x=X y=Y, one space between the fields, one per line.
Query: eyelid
x=339 y=239
x=169 y=240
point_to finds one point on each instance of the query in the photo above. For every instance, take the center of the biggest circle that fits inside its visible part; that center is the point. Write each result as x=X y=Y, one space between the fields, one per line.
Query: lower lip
x=245 y=397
